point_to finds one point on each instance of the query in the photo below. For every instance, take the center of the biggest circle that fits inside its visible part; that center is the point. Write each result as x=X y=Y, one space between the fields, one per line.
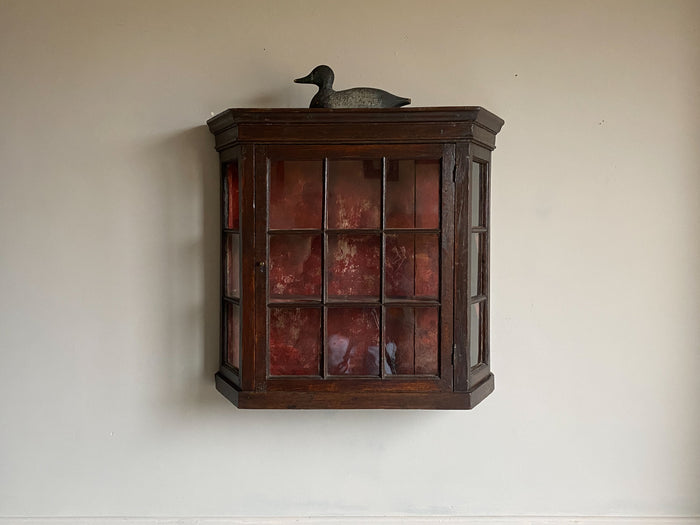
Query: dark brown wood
x=260 y=263
x=382 y=269
x=477 y=372
x=247 y=170
x=232 y=374
x=461 y=267
x=448 y=114
x=357 y=400
x=358 y=125
x=358 y=384
x=452 y=136
x=447 y=254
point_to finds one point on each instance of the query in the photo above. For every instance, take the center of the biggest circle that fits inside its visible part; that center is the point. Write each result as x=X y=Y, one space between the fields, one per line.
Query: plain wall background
x=109 y=259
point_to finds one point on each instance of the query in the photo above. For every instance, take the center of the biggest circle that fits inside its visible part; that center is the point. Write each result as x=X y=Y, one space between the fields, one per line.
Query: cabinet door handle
x=261 y=266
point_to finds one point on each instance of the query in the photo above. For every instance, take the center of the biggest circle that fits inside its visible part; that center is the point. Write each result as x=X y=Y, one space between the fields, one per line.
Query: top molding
x=301 y=125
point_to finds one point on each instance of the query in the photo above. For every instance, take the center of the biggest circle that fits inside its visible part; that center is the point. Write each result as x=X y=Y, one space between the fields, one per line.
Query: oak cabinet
x=355 y=257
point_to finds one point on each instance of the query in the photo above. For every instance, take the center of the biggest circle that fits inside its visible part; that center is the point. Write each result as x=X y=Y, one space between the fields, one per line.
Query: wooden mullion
x=382 y=269
x=395 y=231
x=324 y=270
x=295 y=304
x=354 y=231
x=309 y=231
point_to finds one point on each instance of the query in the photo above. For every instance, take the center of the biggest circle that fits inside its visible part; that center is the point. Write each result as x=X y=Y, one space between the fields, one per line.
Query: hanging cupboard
x=355 y=257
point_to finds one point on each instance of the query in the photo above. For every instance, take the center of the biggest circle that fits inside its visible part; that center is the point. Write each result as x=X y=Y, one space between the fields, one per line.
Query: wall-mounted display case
x=355 y=257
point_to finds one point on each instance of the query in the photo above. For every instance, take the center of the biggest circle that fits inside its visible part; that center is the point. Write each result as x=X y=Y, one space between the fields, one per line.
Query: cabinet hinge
x=454 y=351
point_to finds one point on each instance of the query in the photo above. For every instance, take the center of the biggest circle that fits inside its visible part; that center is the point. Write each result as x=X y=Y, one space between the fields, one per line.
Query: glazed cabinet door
x=354 y=263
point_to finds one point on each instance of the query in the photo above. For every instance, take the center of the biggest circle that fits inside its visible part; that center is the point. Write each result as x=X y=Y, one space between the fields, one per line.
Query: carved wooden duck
x=361 y=97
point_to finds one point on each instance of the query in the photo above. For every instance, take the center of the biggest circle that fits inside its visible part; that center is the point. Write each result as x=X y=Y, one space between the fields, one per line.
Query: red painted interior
x=295 y=266
x=352 y=261
x=231 y=209
x=296 y=194
x=295 y=341
x=352 y=344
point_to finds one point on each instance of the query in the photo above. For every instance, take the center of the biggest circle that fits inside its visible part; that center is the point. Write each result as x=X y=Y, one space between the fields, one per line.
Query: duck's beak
x=304 y=80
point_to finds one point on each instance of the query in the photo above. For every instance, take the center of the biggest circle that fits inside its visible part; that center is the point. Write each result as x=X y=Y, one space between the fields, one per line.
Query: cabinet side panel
x=229 y=332
x=480 y=370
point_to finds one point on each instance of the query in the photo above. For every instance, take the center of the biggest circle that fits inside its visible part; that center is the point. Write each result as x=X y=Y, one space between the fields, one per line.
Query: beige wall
x=108 y=259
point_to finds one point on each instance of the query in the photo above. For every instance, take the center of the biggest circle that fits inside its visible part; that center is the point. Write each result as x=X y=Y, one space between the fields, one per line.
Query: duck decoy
x=360 y=97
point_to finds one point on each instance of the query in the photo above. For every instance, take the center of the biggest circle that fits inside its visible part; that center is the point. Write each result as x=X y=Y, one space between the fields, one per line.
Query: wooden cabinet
x=355 y=257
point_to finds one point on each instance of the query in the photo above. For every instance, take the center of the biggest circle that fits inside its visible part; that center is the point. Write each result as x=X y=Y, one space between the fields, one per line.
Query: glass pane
x=232 y=268
x=354 y=193
x=412 y=266
x=352 y=342
x=296 y=194
x=231 y=203
x=475 y=333
x=232 y=334
x=411 y=341
x=353 y=267
x=476 y=196
x=475 y=264
x=295 y=267
x=427 y=194
x=295 y=341
x=413 y=194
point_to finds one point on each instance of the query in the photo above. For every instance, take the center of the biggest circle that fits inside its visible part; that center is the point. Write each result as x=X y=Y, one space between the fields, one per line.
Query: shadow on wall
x=183 y=167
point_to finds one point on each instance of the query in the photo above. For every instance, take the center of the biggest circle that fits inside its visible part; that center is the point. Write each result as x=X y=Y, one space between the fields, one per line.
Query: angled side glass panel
x=231 y=203
x=232 y=265
x=411 y=340
x=353 y=267
x=477 y=197
x=354 y=194
x=413 y=194
x=232 y=334
x=476 y=264
x=476 y=322
x=352 y=341
x=295 y=341
x=295 y=267
x=296 y=194
x=412 y=266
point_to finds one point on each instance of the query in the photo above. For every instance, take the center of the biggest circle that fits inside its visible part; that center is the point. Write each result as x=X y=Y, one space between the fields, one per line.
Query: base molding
x=362 y=520
x=358 y=400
